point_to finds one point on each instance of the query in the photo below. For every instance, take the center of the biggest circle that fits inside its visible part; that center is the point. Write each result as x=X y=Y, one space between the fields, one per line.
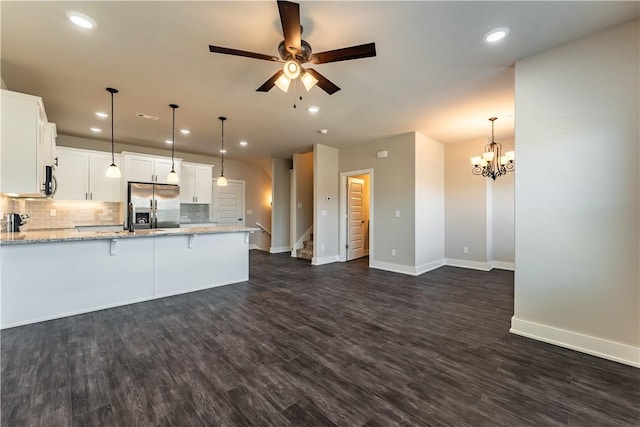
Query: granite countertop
x=71 y=234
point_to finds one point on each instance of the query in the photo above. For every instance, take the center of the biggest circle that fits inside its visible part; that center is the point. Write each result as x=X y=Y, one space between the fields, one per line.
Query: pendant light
x=112 y=170
x=173 y=177
x=492 y=163
x=222 y=181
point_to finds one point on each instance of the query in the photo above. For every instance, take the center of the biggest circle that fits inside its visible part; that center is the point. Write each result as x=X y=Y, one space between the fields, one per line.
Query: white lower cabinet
x=195 y=183
x=80 y=175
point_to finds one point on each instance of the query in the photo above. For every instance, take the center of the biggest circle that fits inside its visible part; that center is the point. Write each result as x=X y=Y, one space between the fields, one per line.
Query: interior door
x=228 y=203
x=355 y=218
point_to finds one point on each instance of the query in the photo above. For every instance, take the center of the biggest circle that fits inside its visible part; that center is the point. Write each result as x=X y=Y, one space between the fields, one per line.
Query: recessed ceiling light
x=313 y=109
x=80 y=19
x=96 y=130
x=243 y=143
x=223 y=151
x=185 y=131
x=323 y=131
x=168 y=141
x=496 y=34
x=101 y=114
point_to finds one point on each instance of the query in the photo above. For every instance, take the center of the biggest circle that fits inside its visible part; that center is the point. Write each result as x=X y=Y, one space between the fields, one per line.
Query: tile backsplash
x=194 y=213
x=48 y=213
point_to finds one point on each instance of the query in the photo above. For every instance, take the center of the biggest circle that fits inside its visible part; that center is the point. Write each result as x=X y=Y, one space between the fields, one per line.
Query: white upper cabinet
x=24 y=123
x=146 y=168
x=195 y=183
x=80 y=175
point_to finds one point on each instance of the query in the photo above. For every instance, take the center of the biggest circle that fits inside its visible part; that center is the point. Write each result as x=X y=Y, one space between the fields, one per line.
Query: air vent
x=146 y=116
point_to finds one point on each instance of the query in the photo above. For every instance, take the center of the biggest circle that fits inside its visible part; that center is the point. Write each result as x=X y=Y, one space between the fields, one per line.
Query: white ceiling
x=432 y=72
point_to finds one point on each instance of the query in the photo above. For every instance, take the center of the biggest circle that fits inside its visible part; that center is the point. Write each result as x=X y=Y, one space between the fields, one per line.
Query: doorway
x=356 y=213
x=228 y=203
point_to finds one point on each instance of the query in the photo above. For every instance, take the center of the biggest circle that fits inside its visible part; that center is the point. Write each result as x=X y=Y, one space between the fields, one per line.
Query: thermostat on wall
x=381 y=154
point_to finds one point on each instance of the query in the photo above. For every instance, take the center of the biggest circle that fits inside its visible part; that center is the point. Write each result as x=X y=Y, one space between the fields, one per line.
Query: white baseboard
x=599 y=347
x=504 y=265
x=474 y=265
x=325 y=260
x=279 y=249
x=406 y=269
x=423 y=268
x=254 y=246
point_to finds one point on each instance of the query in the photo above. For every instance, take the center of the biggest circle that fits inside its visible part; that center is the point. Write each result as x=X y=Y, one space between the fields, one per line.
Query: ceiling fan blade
x=290 y=19
x=236 y=52
x=354 y=52
x=266 y=86
x=323 y=82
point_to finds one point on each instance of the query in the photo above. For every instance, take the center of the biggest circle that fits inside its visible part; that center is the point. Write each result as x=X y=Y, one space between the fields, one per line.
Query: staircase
x=307 y=250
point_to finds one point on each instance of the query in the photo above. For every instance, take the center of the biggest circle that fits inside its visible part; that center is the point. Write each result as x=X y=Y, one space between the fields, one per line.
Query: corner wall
x=326 y=207
x=429 y=196
x=577 y=237
x=281 y=208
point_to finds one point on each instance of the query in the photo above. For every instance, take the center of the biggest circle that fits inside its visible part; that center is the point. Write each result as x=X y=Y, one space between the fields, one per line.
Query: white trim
x=406 y=269
x=325 y=260
x=423 y=268
x=343 y=214
x=395 y=268
x=503 y=265
x=279 y=249
x=595 y=346
x=474 y=265
x=255 y=246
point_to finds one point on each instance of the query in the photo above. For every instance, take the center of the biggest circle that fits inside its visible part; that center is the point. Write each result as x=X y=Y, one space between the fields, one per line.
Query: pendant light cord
x=113 y=157
x=222 y=119
x=173 y=137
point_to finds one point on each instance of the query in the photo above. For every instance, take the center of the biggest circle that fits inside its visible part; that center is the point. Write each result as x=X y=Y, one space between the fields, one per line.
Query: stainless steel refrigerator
x=153 y=205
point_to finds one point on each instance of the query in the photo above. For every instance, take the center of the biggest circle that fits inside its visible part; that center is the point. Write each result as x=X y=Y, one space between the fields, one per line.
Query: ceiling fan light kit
x=295 y=52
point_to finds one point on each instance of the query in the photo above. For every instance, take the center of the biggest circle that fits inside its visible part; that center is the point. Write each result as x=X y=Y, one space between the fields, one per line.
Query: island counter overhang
x=52 y=274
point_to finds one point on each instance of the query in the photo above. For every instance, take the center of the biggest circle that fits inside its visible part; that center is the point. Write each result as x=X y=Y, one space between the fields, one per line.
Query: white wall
x=479 y=212
x=465 y=206
x=281 y=209
x=429 y=197
x=326 y=212
x=577 y=280
x=303 y=175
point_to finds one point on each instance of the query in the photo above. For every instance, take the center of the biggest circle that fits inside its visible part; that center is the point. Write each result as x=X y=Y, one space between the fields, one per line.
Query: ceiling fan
x=294 y=52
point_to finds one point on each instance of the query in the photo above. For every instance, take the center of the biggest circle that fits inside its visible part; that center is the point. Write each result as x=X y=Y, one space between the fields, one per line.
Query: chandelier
x=493 y=163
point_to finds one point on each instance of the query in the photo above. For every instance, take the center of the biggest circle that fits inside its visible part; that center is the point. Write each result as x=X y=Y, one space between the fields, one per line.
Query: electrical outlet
x=397 y=214
x=52 y=212
x=249 y=212
x=465 y=250
x=393 y=252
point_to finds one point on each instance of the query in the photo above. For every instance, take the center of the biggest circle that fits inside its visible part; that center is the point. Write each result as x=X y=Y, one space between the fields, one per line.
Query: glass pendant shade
x=113 y=171
x=308 y=81
x=291 y=69
x=173 y=177
x=222 y=181
x=283 y=83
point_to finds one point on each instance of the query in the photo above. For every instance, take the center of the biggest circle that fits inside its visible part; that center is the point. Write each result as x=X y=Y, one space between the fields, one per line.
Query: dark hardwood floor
x=298 y=345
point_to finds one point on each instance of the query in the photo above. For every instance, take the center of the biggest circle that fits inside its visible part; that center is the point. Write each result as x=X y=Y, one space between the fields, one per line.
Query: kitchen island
x=57 y=273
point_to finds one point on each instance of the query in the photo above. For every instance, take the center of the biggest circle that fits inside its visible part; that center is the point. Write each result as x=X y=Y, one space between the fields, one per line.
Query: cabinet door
x=163 y=167
x=139 y=168
x=100 y=187
x=72 y=175
x=20 y=135
x=202 y=184
x=187 y=188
